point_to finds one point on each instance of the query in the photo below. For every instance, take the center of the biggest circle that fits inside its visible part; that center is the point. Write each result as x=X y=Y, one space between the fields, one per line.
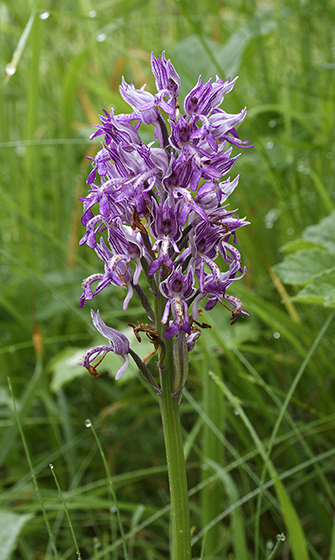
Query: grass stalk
x=297 y=537
x=281 y=415
x=32 y=472
x=66 y=511
x=211 y=496
x=89 y=424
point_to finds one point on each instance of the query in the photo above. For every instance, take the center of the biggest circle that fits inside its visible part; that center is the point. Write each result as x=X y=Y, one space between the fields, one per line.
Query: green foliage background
x=258 y=411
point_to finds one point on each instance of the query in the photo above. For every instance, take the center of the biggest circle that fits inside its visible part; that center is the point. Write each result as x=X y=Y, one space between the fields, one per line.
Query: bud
x=180 y=359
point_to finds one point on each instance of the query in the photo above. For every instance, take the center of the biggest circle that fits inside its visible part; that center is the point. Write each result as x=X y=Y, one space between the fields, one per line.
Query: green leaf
x=238 y=526
x=292 y=522
x=303 y=266
x=10 y=527
x=312 y=266
x=228 y=57
x=222 y=334
x=322 y=233
x=299 y=245
x=64 y=367
x=321 y=291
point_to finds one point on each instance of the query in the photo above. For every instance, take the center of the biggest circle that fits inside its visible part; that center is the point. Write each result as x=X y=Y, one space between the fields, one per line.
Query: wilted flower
x=161 y=210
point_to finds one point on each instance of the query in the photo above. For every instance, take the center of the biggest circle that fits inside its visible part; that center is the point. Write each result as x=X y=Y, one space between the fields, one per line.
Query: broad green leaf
x=303 y=266
x=322 y=233
x=300 y=245
x=64 y=367
x=227 y=56
x=311 y=266
x=10 y=527
x=321 y=291
x=222 y=334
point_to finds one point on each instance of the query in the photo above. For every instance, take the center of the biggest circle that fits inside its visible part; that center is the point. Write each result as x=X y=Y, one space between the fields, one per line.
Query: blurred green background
x=64 y=62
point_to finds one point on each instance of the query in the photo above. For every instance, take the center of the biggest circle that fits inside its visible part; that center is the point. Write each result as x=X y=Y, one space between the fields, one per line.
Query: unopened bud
x=180 y=358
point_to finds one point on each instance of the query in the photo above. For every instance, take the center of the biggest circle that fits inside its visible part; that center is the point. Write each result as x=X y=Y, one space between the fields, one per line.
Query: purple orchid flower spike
x=118 y=344
x=159 y=211
x=158 y=217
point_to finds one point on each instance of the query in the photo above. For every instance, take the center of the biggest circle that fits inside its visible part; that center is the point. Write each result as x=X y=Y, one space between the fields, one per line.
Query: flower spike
x=157 y=214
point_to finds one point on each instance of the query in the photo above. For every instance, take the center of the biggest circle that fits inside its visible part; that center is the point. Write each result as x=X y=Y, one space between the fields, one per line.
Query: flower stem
x=180 y=513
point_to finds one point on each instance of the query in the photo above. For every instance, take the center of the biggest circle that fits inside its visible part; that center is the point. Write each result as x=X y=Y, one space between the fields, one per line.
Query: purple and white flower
x=159 y=211
x=118 y=344
x=177 y=288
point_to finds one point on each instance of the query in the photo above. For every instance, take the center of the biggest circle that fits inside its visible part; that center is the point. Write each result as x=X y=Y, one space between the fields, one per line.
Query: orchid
x=161 y=208
x=118 y=343
x=157 y=217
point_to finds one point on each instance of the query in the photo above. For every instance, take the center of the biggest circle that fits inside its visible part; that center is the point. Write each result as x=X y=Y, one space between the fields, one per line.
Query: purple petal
x=118 y=341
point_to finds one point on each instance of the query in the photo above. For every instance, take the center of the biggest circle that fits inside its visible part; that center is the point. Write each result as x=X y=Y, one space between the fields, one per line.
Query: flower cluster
x=160 y=209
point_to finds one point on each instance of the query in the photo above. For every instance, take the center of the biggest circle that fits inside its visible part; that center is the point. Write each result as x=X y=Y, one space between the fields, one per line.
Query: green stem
x=176 y=466
x=180 y=512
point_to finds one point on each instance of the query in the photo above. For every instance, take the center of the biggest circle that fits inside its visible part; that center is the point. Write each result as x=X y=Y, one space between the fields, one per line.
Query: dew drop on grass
x=113 y=509
x=44 y=15
x=281 y=537
x=92 y=13
x=276 y=335
x=10 y=69
x=88 y=423
x=236 y=412
x=101 y=37
x=51 y=466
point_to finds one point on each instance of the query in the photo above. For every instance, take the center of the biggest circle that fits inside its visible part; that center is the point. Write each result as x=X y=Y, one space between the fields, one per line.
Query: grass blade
x=89 y=424
x=292 y=522
x=66 y=511
x=12 y=65
x=32 y=472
